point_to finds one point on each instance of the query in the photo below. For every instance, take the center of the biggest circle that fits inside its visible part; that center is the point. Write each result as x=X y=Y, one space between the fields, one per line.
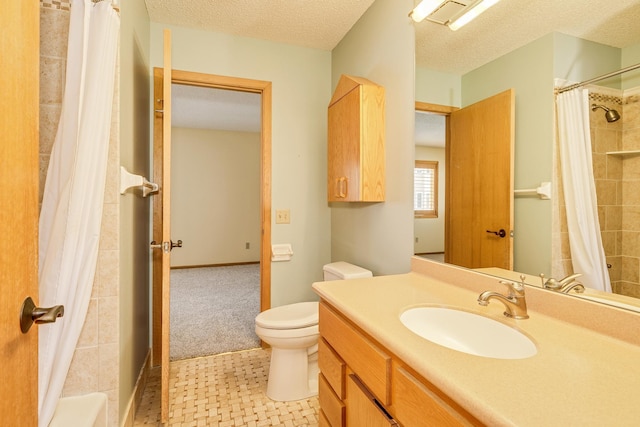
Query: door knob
x=30 y=314
x=500 y=232
x=165 y=246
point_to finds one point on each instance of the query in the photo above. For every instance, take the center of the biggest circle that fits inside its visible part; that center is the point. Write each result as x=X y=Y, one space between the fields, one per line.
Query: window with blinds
x=425 y=189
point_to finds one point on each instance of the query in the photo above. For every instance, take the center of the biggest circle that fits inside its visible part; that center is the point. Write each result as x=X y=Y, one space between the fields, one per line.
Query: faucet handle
x=515 y=288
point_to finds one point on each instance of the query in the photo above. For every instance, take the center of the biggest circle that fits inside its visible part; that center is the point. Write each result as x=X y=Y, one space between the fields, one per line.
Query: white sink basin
x=468 y=332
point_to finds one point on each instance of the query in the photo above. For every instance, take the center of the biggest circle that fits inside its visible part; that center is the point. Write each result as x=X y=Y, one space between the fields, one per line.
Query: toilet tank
x=343 y=271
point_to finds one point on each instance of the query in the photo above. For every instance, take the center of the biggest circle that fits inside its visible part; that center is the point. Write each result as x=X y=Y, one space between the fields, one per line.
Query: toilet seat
x=292 y=316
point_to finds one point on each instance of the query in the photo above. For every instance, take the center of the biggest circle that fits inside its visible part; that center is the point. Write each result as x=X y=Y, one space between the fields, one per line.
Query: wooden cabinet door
x=344 y=135
x=362 y=407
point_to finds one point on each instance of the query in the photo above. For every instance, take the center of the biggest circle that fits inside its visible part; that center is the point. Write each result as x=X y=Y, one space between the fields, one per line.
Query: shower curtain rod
x=597 y=79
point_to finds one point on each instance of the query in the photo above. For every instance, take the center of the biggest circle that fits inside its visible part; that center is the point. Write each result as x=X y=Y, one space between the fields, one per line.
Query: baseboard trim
x=229 y=264
x=138 y=390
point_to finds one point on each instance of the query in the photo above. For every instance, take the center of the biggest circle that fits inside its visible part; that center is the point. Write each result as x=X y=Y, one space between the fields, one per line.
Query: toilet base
x=293 y=375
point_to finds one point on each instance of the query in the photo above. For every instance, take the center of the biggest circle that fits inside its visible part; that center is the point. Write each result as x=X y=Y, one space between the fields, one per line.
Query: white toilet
x=292 y=332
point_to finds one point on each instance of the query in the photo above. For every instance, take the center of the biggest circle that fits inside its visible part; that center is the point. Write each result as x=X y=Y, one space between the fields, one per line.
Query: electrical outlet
x=247 y=245
x=282 y=216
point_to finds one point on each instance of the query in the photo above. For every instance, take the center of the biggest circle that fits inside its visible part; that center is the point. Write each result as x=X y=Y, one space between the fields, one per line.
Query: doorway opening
x=215 y=212
x=431 y=137
x=242 y=86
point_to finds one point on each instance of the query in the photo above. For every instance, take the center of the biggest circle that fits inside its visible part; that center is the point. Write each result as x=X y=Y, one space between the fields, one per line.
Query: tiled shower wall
x=95 y=365
x=629 y=283
x=617 y=179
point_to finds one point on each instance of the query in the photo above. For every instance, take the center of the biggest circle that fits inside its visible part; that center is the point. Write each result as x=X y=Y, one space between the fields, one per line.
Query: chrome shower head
x=610 y=114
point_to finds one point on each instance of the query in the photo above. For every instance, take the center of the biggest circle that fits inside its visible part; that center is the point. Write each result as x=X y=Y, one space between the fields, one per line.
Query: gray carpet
x=213 y=310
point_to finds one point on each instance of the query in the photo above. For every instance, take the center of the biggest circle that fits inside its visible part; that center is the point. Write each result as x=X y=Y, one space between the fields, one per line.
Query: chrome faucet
x=559 y=285
x=514 y=302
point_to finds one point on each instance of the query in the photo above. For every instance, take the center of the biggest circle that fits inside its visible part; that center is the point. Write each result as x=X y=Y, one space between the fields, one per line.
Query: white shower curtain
x=585 y=241
x=71 y=213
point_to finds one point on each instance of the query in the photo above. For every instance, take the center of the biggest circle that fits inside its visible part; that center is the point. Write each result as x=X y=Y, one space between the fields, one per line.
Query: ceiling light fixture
x=471 y=14
x=424 y=9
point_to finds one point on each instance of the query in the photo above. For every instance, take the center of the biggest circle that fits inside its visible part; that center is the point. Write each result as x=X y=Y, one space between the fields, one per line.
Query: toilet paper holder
x=281 y=252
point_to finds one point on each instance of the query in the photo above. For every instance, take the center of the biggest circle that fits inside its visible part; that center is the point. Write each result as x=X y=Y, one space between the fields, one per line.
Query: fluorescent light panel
x=424 y=9
x=427 y=7
x=471 y=14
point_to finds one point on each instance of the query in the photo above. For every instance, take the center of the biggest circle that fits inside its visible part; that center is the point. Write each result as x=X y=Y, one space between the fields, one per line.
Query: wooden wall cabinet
x=362 y=384
x=356 y=159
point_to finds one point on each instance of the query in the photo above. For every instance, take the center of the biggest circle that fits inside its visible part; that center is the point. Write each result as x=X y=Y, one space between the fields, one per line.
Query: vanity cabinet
x=356 y=158
x=362 y=384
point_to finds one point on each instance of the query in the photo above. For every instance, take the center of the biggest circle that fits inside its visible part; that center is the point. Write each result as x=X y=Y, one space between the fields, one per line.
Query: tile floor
x=223 y=390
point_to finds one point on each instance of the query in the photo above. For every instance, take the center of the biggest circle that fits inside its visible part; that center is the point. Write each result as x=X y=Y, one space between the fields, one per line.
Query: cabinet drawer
x=332 y=367
x=417 y=405
x=331 y=405
x=369 y=363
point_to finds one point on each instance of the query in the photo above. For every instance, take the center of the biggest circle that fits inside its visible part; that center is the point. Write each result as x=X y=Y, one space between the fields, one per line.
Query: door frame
x=443 y=110
x=264 y=88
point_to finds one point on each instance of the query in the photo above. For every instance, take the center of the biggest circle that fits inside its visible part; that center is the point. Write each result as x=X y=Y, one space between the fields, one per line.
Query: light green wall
x=380 y=47
x=529 y=71
x=134 y=152
x=631 y=56
x=577 y=60
x=301 y=79
x=436 y=87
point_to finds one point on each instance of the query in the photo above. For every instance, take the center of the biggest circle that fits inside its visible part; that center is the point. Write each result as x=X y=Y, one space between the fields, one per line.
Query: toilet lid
x=291 y=316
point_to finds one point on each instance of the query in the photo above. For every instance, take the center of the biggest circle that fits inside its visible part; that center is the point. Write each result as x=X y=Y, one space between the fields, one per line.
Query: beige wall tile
x=54 y=29
x=631 y=218
x=108 y=365
x=631 y=168
x=89 y=334
x=52 y=72
x=606 y=139
x=630 y=270
x=83 y=373
x=631 y=243
x=107 y=273
x=108 y=320
x=614 y=167
x=613 y=217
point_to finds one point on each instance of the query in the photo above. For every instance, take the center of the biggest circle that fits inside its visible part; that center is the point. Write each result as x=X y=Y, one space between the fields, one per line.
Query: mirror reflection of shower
x=610 y=114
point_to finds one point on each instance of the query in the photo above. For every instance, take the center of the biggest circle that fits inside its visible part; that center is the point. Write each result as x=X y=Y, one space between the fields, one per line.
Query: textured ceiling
x=318 y=24
x=511 y=24
x=321 y=24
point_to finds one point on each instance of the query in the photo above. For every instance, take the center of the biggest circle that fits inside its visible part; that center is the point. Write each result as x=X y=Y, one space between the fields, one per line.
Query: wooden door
x=19 y=50
x=479 y=184
x=162 y=222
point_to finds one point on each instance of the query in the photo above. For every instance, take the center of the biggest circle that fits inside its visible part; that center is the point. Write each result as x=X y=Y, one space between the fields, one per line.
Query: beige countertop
x=578 y=376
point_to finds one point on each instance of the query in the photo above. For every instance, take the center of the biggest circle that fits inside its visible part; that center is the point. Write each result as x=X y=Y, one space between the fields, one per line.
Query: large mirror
x=575 y=52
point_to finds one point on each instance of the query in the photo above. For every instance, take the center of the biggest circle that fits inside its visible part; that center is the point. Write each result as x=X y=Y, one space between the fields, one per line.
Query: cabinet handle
x=342 y=187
